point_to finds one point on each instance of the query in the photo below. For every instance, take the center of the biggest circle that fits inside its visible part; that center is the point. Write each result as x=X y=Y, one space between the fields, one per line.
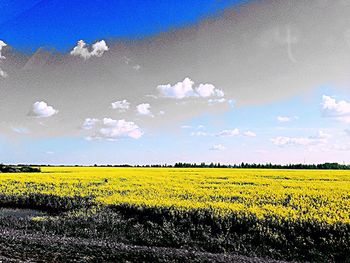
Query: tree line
x=18 y=169
x=323 y=166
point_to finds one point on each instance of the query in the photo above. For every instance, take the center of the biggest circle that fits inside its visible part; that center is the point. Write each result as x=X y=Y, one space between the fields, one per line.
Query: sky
x=149 y=82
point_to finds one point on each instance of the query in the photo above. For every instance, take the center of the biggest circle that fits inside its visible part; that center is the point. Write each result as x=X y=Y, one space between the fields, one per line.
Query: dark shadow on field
x=82 y=232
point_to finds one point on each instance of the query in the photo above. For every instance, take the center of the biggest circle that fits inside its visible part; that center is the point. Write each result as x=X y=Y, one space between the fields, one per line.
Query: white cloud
x=283 y=118
x=97 y=49
x=339 y=110
x=320 y=139
x=111 y=129
x=185 y=89
x=218 y=147
x=3 y=74
x=114 y=129
x=144 y=109
x=180 y=90
x=121 y=105
x=81 y=50
x=2 y=44
x=228 y=133
x=249 y=134
x=40 y=109
x=89 y=123
x=208 y=90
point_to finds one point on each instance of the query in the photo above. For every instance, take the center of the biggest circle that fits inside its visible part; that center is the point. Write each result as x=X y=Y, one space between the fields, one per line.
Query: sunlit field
x=303 y=195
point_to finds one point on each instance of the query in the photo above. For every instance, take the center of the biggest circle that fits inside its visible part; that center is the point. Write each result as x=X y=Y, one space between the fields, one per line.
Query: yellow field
x=317 y=195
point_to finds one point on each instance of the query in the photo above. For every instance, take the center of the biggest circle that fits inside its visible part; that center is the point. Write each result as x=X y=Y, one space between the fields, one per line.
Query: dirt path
x=21 y=246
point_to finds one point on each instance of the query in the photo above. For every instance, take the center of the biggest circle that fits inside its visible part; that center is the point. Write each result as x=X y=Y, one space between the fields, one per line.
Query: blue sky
x=57 y=23
x=167 y=81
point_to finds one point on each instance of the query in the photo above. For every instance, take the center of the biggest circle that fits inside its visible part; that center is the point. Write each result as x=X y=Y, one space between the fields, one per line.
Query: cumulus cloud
x=2 y=45
x=111 y=129
x=41 y=109
x=89 y=123
x=209 y=90
x=121 y=105
x=114 y=129
x=282 y=141
x=218 y=147
x=82 y=50
x=180 y=90
x=339 y=110
x=249 y=134
x=99 y=48
x=185 y=89
x=228 y=133
x=144 y=109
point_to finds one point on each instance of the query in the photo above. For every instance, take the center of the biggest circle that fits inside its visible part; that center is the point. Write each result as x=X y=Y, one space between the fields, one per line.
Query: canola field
x=304 y=195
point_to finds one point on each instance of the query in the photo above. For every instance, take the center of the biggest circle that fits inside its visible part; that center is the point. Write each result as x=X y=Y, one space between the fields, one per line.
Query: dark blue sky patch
x=28 y=25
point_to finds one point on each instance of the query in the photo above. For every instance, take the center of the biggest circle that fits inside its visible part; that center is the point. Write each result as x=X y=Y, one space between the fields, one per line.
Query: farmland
x=281 y=214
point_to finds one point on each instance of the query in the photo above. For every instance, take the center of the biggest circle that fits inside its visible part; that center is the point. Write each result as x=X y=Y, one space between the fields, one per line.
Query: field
x=281 y=214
